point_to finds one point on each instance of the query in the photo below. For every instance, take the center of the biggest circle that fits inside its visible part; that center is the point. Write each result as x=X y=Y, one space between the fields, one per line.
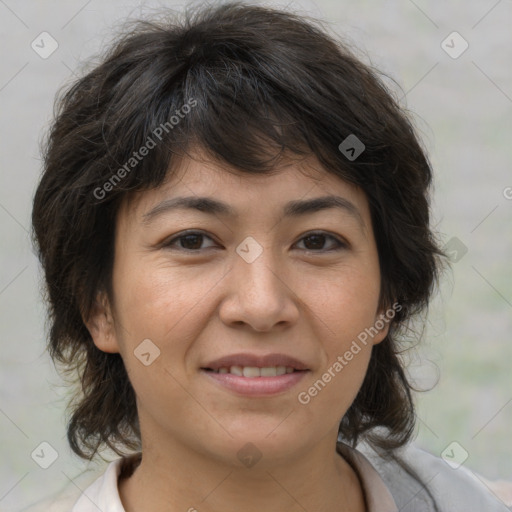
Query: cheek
x=169 y=307
x=156 y=299
x=157 y=304
x=344 y=303
x=345 y=309
x=331 y=390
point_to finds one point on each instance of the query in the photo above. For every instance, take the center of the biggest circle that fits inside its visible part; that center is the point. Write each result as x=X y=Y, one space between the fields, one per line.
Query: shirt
x=408 y=483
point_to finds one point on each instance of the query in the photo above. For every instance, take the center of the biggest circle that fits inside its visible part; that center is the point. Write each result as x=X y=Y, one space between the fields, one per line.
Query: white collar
x=103 y=493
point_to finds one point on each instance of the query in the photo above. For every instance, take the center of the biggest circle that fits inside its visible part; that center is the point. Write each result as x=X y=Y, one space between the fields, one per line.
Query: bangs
x=240 y=123
x=240 y=106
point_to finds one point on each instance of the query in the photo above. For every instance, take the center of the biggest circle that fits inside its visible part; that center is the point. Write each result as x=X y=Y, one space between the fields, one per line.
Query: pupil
x=196 y=245
x=319 y=241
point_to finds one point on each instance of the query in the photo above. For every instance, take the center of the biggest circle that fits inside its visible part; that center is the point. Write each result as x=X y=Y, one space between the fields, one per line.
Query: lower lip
x=256 y=386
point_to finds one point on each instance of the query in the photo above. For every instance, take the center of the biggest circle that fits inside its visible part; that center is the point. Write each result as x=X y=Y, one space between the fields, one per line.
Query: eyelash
x=170 y=243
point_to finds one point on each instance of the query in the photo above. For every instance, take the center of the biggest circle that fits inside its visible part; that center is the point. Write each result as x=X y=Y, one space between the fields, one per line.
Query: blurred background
x=452 y=61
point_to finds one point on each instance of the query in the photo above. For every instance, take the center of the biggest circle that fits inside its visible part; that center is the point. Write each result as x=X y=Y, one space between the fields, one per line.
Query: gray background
x=463 y=110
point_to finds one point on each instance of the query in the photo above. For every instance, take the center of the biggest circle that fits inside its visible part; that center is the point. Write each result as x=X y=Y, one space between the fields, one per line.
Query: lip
x=260 y=361
x=256 y=386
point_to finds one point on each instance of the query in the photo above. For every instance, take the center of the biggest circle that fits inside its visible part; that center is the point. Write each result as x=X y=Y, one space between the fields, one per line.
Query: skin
x=301 y=297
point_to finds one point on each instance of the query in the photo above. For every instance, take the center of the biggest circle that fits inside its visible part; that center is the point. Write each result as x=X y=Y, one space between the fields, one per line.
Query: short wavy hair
x=264 y=83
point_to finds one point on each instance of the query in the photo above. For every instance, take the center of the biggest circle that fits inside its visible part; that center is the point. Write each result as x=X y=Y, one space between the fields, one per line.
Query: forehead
x=292 y=178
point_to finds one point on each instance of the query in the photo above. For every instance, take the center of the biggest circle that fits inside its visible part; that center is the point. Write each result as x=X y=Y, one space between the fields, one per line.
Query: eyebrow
x=291 y=209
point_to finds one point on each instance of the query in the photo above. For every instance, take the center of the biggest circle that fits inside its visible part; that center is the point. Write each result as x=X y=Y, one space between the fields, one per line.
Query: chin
x=266 y=444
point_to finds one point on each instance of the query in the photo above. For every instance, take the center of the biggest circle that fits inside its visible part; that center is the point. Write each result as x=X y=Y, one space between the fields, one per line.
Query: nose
x=261 y=294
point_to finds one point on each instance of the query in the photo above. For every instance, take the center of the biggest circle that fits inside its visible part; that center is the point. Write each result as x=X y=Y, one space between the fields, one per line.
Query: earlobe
x=381 y=335
x=100 y=325
x=381 y=324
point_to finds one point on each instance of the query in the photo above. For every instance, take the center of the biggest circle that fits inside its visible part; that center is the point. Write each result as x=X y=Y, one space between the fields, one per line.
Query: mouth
x=253 y=375
x=251 y=372
x=255 y=365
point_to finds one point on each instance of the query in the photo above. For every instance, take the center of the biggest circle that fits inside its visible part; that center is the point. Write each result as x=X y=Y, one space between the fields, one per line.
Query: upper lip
x=258 y=361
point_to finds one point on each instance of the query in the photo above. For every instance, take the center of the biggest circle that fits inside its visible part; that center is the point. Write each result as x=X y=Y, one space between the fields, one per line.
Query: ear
x=382 y=323
x=100 y=325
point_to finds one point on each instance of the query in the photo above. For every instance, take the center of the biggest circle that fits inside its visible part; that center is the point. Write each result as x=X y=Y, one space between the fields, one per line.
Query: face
x=268 y=279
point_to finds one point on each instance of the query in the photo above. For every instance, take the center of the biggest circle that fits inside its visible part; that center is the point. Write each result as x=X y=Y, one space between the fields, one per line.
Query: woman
x=233 y=222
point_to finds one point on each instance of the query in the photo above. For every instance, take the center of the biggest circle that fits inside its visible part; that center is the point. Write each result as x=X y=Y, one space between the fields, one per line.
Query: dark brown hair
x=260 y=83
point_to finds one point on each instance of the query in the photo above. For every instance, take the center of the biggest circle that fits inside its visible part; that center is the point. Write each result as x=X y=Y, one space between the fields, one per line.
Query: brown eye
x=316 y=242
x=191 y=241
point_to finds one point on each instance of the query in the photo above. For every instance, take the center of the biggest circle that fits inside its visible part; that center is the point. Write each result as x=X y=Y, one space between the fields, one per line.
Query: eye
x=315 y=242
x=189 y=241
x=192 y=241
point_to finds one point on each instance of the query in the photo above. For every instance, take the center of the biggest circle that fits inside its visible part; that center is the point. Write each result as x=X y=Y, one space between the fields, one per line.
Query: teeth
x=268 y=372
x=236 y=370
x=253 y=371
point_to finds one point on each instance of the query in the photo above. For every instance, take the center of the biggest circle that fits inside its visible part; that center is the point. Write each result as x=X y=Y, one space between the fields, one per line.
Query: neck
x=184 y=480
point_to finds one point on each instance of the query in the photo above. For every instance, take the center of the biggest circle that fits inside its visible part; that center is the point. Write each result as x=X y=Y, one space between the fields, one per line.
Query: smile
x=254 y=371
x=254 y=381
